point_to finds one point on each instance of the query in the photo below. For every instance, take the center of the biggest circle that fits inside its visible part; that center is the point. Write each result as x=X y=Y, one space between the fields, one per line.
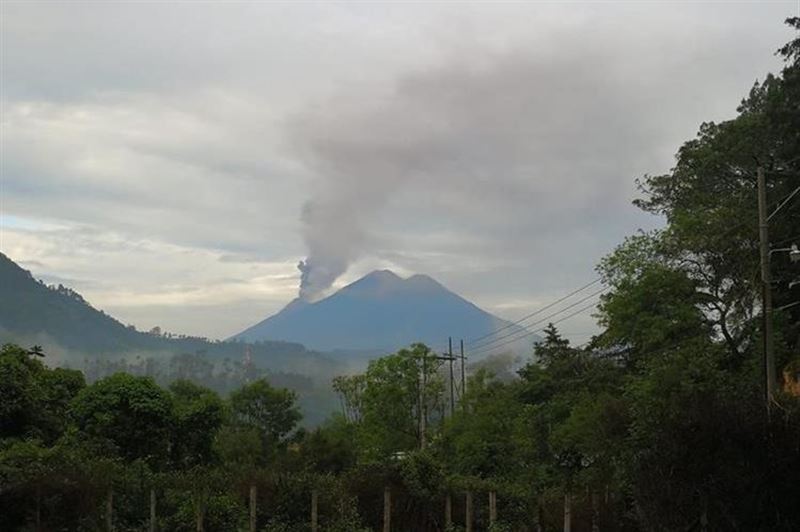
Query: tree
x=709 y=201
x=394 y=400
x=131 y=415
x=239 y=446
x=199 y=413
x=682 y=312
x=476 y=438
x=35 y=398
x=19 y=389
x=271 y=411
x=570 y=430
x=652 y=305
x=329 y=448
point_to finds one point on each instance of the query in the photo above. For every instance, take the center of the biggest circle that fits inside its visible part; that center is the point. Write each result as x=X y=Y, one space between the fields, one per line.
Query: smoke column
x=358 y=155
x=334 y=236
x=503 y=129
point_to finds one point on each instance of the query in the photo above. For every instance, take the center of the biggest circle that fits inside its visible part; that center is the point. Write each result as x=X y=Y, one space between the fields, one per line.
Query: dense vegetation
x=659 y=423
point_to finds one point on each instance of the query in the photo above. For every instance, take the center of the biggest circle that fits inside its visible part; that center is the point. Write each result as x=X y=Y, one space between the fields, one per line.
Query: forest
x=660 y=422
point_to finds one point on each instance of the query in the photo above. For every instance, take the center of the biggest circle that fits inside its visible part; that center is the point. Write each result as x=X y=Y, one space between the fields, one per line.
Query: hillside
x=62 y=321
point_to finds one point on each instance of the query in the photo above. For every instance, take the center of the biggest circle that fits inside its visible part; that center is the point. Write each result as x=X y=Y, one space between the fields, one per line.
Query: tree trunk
x=252 y=508
x=468 y=512
x=110 y=511
x=152 y=510
x=492 y=507
x=448 y=511
x=314 y=504
x=387 y=509
x=567 y=512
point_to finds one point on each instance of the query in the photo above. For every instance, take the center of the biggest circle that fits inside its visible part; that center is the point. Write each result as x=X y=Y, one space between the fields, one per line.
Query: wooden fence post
x=468 y=512
x=387 y=509
x=38 y=508
x=152 y=510
x=567 y=512
x=314 y=505
x=110 y=510
x=492 y=507
x=252 y=508
x=448 y=511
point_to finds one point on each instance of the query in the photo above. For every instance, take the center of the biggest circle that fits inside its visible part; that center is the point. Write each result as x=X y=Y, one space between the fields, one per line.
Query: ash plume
x=358 y=171
x=507 y=129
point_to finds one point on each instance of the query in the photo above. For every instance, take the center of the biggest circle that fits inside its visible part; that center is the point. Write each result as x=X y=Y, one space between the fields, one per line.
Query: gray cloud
x=492 y=146
x=499 y=144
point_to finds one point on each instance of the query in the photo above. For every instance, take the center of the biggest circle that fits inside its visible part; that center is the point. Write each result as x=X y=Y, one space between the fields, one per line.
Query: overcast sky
x=173 y=162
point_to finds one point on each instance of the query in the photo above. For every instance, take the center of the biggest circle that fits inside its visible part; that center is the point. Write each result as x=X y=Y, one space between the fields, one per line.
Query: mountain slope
x=32 y=309
x=64 y=323
x=380 y=311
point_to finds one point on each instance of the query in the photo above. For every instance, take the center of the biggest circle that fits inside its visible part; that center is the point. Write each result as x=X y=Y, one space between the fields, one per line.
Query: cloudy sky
x=173 y=162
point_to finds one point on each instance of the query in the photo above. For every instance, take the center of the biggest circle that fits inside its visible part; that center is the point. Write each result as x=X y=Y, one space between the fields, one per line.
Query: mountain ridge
x=66 y=325
x=380 y=311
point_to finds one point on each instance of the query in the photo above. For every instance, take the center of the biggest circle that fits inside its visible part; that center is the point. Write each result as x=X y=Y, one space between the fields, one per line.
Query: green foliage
x=330 y=448
x=62 y=484
x=709 y=201
x=653 y=308
x=271 y=411
x=695 y=431
x=35 y=398
x=389 y=400
x=19 y=390
x=422 y=474
x=222 y=513
x=477 y=436
x=130 y=415
x=239 y=446
x=198 y=414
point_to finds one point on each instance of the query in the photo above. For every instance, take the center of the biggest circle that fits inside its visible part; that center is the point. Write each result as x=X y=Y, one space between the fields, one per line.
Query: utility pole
x=463 y=378
x=766 y=286
x=452 y=394
x=423 y=410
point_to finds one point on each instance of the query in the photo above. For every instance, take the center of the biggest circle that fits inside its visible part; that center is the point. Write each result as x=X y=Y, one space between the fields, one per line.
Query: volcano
x=380 y=312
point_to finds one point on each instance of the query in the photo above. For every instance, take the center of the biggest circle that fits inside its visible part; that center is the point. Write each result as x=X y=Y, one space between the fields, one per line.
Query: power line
x=784 y=202
x=483 y=345
x=477 y=339
x=529 y=333
x=780 y=203
x=532 y=314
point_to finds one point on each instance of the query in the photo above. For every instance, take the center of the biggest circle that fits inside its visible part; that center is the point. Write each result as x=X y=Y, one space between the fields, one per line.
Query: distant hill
x=380 y=312
x=62 y=321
